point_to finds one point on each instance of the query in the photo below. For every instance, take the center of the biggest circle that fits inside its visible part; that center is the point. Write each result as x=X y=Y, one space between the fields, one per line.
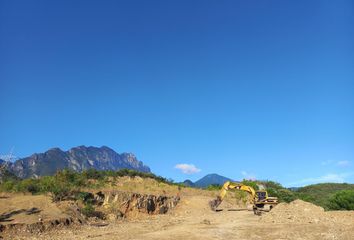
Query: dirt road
x=192 y=219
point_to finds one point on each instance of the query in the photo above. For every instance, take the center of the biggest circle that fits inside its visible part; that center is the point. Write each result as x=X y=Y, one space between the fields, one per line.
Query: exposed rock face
x=133 y=203
x=78 y=159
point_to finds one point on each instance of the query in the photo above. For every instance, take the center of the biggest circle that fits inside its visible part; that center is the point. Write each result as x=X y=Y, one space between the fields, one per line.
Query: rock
x=78 y=159
x=127 y=203
x=114 y=216
x=206 y=221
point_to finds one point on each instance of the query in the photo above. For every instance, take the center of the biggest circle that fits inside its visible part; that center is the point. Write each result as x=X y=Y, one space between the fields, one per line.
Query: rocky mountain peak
x=77 y=158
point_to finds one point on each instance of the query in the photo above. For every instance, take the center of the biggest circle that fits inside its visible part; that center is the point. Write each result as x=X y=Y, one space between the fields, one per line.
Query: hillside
x=188 y=183
x=77 y=158
x=320 y=193
x=135 y=205
x=211 y=179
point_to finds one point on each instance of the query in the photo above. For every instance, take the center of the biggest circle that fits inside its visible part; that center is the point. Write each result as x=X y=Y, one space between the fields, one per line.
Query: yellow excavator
x=260 y=199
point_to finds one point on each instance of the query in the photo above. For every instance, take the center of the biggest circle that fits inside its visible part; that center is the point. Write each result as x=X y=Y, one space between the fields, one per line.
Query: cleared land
x=190 y=219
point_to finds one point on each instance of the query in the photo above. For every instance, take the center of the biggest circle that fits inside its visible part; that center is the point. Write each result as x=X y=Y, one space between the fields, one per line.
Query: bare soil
x=192 y=219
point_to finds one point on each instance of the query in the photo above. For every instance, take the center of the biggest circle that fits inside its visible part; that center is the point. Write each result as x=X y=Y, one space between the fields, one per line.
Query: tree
x=342 y=200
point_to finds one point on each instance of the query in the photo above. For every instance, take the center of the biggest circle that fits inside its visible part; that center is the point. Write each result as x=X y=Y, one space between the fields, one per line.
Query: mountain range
x=82 y=158
x=210 y=179
x=77 y=158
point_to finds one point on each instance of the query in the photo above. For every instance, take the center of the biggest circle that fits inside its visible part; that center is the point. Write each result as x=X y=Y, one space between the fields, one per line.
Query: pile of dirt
x=35 y=214
x=302 y=212
x=296 y=211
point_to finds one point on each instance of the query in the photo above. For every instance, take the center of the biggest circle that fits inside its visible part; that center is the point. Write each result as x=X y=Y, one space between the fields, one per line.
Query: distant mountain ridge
x=188 y=183
x=210 y=179
x=77 y=158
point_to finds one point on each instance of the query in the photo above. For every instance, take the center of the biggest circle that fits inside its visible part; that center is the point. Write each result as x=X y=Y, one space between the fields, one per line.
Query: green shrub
x=85 y=197
x=275 y=189
x=285 y=195
x=214 y=187
x=93 y=174
x=88 y=210
x=320 y=194
x=47 y=183
x=250 y=183
x=6 y=175
x=66 y=183
x=241 y=195
x=70 y=177
x=272 y=184
x=27 y=185
x=342 y=200
x=306 y=197
x=8 y=186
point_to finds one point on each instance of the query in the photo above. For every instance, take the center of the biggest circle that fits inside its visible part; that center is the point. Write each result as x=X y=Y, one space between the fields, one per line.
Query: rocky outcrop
x=78 y=159
x=132 y=203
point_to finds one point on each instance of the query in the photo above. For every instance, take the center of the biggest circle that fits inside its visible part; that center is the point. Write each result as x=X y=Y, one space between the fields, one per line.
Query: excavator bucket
x=215 y=203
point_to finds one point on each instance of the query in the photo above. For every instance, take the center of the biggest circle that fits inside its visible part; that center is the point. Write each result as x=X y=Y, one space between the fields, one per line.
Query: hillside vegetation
x=330 y=196
x=68 y=183
x=326 y=195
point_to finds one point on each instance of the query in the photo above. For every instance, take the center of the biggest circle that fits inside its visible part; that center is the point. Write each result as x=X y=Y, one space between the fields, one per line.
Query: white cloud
x=187 y=168
x=330 y=177
x=343 y=163
x=327 y=162
x=248 y=176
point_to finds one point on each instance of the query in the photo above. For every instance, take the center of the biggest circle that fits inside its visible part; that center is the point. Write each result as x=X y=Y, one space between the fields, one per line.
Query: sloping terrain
x=320 y=193
x=34 y=214
x=211 y=179
x=192 y=219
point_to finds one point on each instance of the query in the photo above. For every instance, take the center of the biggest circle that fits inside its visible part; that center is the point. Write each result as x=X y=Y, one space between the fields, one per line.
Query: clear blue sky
x=260 y=89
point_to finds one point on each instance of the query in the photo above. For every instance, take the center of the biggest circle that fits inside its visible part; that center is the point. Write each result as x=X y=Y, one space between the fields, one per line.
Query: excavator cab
x=261 y=195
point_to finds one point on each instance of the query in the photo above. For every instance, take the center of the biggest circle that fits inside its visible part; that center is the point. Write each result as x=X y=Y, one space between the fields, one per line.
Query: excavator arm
x=228 y=186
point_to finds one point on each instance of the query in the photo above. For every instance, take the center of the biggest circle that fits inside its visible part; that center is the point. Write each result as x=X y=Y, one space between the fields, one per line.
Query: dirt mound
x=34 y=214
x=296 y=211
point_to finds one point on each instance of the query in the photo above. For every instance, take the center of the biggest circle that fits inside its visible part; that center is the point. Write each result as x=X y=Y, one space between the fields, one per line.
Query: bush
x=275 y=189
x=6 y=175
x=214 y=187
x=66 y=183
x=250 y=183
x=85 y=197
x=285 y=195
x=28 y=185
x=93 y=174
x=342 y=200
x=88 y=210
x=272 y=184
x=306 y=197
x=320 y=194
x=70 y=177
x=8 y=186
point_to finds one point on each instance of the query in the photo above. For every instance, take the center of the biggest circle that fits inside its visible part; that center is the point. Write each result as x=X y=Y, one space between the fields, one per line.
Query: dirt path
x=192 y=219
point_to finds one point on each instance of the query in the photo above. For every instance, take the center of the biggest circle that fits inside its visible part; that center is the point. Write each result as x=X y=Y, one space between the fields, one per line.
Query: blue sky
x=246 y=89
